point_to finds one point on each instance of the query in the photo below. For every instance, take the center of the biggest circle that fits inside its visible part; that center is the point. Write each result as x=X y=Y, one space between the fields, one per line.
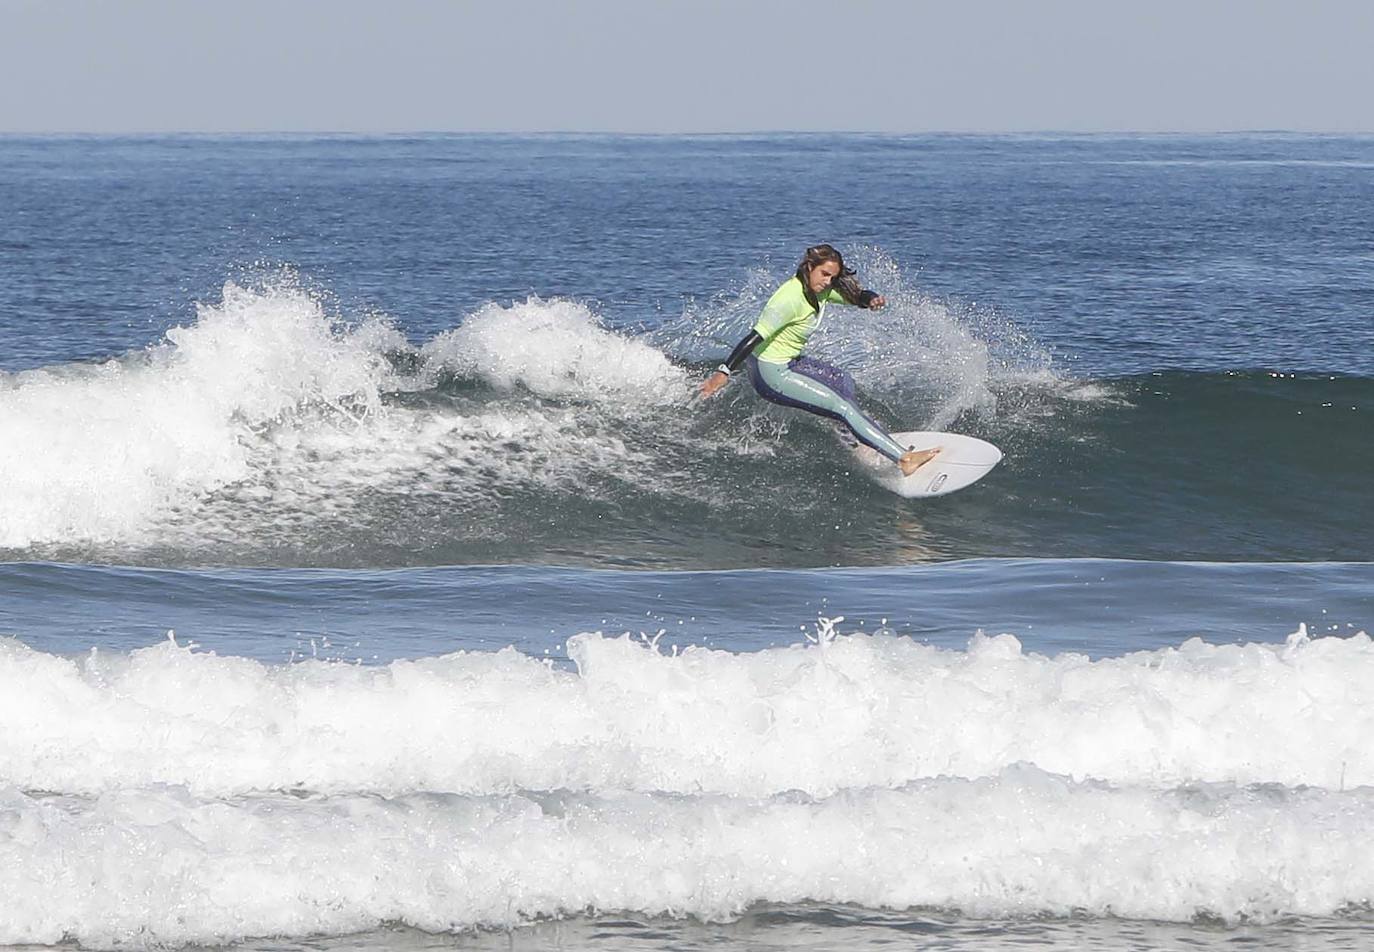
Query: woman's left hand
x=877 y=302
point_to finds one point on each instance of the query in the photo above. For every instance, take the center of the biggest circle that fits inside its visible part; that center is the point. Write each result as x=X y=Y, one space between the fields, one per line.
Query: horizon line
x=132 y=133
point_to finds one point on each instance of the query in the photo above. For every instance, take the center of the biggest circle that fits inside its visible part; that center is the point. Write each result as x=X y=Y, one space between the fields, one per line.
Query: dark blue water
x=1119 y=255
x=328 y=403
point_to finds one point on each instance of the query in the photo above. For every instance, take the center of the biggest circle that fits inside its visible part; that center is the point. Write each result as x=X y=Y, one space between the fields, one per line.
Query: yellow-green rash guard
x=788 y=321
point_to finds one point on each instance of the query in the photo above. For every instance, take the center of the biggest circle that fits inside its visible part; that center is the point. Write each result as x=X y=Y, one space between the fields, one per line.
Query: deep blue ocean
x=370 y=576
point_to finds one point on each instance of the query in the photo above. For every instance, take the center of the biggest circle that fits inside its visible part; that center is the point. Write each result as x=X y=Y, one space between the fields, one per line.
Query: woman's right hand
x=713 y=383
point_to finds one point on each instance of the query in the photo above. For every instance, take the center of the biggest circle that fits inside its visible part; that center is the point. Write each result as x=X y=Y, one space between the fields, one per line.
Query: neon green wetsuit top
x=788 y=321
x=786 y=324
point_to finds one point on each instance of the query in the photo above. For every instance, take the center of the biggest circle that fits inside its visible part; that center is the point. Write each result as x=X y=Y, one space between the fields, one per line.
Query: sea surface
x=371 y=577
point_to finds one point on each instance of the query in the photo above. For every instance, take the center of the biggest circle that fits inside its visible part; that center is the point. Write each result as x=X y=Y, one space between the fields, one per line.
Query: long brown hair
x=844 y=282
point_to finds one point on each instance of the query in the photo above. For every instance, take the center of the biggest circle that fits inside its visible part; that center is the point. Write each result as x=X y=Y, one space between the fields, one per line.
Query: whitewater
x=487 y=789
x=852 y=711
x=1023 y=842
x=265 y=390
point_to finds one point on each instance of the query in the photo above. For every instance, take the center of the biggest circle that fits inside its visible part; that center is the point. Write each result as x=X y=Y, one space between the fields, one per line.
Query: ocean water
x=371 y=578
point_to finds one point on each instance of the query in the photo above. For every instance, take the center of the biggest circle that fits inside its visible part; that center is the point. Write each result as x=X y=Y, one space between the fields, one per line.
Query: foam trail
x=1022 y=842
x=853 y=711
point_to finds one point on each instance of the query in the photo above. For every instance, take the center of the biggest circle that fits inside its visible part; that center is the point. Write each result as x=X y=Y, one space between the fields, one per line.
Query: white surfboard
x=963 y=460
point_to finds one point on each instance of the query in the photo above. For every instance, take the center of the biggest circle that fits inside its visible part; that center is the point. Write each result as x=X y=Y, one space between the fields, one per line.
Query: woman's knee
x=855 y=417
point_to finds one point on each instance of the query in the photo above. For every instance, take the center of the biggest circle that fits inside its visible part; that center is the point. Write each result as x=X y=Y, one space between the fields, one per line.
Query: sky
x=665 y=66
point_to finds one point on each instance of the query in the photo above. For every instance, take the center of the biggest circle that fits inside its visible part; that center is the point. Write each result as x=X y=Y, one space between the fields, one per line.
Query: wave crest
x=858 y=710
x=556 y=349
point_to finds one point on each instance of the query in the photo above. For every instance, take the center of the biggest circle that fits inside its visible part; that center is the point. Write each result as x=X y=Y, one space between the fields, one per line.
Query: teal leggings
x=817 y=387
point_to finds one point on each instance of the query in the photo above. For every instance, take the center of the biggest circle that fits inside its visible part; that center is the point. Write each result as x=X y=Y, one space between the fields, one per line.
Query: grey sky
x=670 y=66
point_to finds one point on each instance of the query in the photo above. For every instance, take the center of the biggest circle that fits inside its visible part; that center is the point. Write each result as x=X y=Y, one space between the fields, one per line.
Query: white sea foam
x=1020 y=842
x=859 y=710
x=266 y=416
x=557 y=349
x=97 y=452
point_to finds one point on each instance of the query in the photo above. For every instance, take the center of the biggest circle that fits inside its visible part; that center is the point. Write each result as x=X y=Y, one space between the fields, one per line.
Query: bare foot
x=915 y=459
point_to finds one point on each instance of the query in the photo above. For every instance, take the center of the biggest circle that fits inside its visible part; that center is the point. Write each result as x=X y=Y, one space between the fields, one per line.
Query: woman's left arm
x=850 y=293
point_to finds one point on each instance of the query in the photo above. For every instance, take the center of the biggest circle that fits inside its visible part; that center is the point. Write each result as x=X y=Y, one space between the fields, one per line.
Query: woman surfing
x=773 y=353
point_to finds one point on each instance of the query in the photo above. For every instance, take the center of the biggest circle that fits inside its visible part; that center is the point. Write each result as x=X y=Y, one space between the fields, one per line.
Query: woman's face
x=821 y=275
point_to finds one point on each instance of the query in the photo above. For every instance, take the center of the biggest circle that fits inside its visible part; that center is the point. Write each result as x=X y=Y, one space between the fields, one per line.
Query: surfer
x=772 y=351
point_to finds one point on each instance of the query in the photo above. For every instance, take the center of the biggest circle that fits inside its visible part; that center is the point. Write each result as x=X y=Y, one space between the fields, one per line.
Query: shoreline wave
x=1020 y=843
x=854 y=710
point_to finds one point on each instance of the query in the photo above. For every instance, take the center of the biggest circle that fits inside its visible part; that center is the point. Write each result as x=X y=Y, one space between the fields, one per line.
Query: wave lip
x=1022 y=842
x=853 y=711
x=266 y=422
x=556 y=349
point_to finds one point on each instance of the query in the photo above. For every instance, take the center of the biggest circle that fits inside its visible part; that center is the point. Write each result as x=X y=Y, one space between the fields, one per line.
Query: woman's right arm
x=732 y=363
